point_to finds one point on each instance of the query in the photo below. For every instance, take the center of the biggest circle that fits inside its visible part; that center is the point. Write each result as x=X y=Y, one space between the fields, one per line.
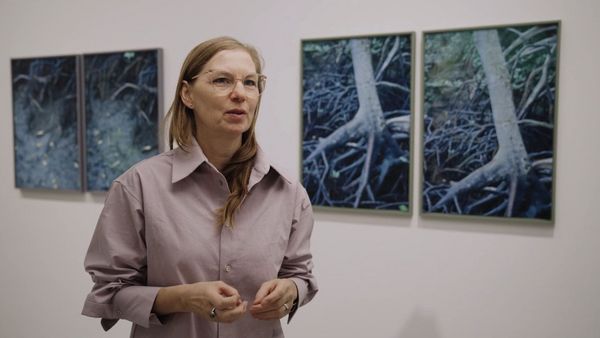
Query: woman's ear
x=186 y=96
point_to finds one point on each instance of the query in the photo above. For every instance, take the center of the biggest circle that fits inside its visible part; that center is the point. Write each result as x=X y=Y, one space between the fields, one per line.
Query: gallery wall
x=379 y=275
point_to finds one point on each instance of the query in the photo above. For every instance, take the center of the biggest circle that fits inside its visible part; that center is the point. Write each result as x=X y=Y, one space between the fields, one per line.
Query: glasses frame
x=261 y=83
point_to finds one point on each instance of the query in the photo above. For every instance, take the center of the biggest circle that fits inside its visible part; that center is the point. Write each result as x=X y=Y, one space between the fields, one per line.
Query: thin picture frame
x=122 y=109
x=336 y=139
x=46 y=122
x=471 y=171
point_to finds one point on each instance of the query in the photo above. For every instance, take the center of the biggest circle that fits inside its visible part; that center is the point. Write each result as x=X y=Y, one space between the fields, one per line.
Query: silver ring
x=213 y=313
x=287 y=308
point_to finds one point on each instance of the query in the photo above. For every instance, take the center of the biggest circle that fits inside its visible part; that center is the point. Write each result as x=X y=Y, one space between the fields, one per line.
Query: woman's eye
x=222 y=81
x=250 y=83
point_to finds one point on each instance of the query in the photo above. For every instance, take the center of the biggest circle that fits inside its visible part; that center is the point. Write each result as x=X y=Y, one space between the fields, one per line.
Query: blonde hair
x=182 y=124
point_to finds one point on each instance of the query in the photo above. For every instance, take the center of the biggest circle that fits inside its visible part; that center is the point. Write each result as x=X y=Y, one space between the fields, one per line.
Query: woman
x=208 y=239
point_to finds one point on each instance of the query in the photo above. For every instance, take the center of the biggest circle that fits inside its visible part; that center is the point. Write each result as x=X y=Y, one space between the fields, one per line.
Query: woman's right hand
x=200 y=298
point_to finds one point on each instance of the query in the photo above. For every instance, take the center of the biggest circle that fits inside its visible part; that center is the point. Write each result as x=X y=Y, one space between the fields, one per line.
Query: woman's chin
x=235 y=131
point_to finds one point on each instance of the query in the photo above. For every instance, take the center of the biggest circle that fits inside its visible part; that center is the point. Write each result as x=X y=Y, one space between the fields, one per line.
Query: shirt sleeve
x=116 y=261
x=297 y=264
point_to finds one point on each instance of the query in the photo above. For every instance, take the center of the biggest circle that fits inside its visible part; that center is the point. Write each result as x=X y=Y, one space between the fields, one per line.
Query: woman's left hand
x=274 y=299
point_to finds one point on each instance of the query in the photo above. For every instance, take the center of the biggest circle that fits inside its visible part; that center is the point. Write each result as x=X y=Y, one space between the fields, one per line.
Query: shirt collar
x=262 y=166
x=185 y=162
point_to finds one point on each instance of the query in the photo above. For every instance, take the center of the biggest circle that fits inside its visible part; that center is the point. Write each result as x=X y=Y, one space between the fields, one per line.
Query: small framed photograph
x=47 y=146
x=121 y=109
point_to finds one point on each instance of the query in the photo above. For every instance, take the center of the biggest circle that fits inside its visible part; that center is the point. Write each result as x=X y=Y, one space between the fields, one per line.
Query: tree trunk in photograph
x=367 y=122
x=511 y=160
x=369 y=109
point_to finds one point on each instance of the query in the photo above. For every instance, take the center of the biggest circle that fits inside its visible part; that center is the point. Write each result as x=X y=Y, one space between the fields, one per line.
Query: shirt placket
x=227 y=269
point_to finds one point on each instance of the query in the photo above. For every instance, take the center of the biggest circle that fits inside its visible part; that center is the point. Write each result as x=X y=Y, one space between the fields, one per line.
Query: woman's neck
x=219 y=151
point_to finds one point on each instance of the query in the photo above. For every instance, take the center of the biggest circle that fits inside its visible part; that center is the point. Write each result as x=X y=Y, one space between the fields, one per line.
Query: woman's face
x=222 y=95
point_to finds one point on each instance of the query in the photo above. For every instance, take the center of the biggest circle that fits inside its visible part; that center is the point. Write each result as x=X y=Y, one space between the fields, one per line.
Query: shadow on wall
x=421 y=324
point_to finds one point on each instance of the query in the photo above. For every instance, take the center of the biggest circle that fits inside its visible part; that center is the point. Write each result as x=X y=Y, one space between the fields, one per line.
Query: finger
x=264 y=290
x=227 y=303
x=271 y=306
x=279 y=295
x=262 y=308
x=272 y=314
x=225 y=296
x=227 y=290
x=228 y=316
x=275 y=297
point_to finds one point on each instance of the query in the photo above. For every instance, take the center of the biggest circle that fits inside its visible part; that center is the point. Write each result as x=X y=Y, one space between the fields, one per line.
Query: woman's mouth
x=236 y=112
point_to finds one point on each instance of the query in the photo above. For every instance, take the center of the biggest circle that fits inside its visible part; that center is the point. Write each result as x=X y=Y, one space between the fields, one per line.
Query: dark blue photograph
x=45 y=117
x=489 y=106
x=121 y=93
x=357 y=117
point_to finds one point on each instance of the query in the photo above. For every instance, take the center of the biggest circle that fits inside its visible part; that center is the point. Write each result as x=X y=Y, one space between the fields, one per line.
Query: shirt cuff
x=134 y=303
x=302 y=291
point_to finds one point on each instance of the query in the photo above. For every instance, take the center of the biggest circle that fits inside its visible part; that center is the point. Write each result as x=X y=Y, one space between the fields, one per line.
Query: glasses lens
x=224 y=83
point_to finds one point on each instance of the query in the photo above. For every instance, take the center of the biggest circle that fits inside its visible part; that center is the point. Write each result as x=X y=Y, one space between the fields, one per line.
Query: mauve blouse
x=157 y=229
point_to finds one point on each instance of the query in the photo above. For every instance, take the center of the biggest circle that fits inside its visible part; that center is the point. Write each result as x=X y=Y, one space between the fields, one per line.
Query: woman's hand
x=200 y=298
x=274 y=299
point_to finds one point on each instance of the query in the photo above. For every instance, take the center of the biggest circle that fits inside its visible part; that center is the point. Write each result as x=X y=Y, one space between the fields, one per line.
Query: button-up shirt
x=158 y=229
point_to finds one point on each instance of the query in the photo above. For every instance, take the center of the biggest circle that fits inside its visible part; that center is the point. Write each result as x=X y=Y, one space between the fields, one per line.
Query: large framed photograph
x=45 y=117
x=357 y=109
x=489 y=121
x=121 y=106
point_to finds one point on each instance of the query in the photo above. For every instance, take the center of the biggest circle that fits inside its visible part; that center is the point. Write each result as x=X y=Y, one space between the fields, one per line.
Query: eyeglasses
x=223 y=82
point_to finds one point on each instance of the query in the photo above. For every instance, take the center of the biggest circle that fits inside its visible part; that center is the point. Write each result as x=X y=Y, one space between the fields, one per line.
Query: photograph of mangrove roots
x=489 y=120
x=121 y=112
x=356 y=111
x=45 y=116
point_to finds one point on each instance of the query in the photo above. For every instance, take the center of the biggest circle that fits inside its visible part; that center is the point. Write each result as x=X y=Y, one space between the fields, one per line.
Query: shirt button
x=227 y=268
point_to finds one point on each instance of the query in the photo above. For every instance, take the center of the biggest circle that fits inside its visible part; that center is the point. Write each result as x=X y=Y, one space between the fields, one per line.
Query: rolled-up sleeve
x=116 y=261
x=297 y=264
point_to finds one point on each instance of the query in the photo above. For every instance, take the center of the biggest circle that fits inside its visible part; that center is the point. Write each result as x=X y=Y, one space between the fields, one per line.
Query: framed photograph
x=357 y=112
x=489 y=121
x=121 y=107
x=45 y=117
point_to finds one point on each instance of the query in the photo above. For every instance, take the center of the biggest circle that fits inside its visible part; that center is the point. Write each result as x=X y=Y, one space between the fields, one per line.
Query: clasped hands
x=218 y=301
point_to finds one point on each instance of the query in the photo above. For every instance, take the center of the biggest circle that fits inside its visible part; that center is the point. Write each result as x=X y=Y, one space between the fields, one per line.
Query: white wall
x=379 y=276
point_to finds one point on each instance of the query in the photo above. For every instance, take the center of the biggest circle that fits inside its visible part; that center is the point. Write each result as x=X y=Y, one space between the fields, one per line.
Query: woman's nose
x=238 y=90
